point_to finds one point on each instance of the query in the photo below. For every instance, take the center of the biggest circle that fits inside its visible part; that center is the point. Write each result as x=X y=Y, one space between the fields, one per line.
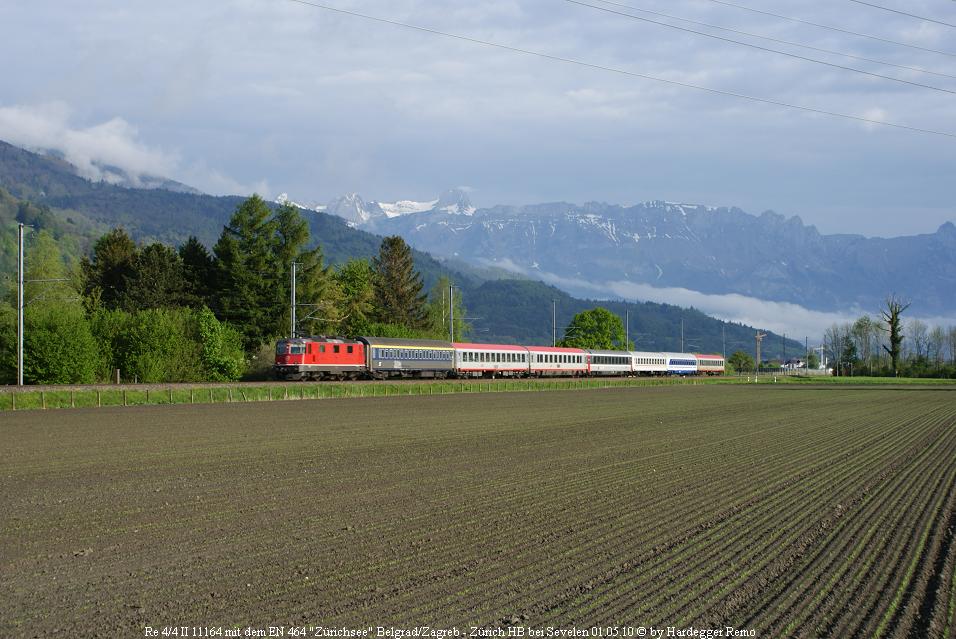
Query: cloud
x=113 y=142
x=779 y=317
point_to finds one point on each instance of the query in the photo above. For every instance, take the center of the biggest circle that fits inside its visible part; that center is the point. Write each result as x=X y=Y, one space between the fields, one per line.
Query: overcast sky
x=232 y=96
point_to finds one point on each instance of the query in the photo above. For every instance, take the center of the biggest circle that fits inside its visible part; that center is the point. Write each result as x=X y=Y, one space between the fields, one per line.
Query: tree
x=199 y=269
x=597 y=328
x=105 y=275
x=398 y=287
x=356 y=282
x=249 y=293
x=862 y=333
x=319 y=294
x=936 y=346
x=59 y=347
x=741 y=361
x=156 y=280
x=919 y=338
x=891 y=316
x=813 y=360
x=951 y=339
x=438 y=310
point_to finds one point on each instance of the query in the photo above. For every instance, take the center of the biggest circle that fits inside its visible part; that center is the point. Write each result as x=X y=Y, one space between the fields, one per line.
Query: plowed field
x=783 y=510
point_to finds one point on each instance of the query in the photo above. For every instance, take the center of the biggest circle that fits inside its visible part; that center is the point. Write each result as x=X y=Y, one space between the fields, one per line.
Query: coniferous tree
x=318 y=296
x=246 y=279
x=156 y=280
x=198 y=272
x=398 y=286
x=105 y=275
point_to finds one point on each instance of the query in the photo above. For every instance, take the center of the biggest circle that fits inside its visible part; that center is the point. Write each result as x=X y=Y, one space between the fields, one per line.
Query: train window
x=350 y=349
x=309 y=349
x=322 y=348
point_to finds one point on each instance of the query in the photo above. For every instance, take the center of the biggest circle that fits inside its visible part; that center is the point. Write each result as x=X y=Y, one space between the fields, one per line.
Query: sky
x=274 y=96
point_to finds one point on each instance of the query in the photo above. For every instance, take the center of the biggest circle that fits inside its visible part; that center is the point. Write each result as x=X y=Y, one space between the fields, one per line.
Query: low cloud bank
x=796 y=321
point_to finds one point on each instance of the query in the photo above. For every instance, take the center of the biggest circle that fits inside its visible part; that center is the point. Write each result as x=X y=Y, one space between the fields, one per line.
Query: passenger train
x=336 y=358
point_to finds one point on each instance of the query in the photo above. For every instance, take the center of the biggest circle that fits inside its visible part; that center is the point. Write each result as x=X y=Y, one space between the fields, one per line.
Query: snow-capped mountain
x=368 y=214
x=699 y=248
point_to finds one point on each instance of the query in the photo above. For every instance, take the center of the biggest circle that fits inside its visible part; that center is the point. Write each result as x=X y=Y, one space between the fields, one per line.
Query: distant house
x=794 y=364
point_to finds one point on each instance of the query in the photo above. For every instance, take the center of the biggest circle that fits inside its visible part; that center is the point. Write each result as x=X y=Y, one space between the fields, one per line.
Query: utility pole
x=292 y=331
x=451 y=313
x=806 y=356
x=758 y=337
x=554 y=323
x=20 y=304
x=627 y=321
x=682 y=335
x=723 y=340
x=784 y=348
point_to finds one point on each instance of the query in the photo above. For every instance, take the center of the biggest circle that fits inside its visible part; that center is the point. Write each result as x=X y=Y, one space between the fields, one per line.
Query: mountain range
x=600 y=248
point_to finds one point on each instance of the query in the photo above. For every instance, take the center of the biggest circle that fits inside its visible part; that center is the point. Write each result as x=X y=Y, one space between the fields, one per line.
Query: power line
x=780 y=41
x=830 y=28
x=756 y=46
x=633 y=74
x=903 y=13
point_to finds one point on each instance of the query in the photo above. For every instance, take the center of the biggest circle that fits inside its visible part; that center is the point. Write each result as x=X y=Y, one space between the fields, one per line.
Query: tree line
x=884 y=346
x=891 y=345
x=163 y=314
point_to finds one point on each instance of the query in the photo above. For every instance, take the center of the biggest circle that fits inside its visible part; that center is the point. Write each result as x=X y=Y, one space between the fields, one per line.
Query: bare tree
x=935 y=346
x=919 y=336
x=891 y=315
x=862 y=332
x=951 y=336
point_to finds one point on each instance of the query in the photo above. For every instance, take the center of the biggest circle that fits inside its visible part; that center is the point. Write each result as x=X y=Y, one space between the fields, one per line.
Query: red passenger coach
x=319 y=358
x=710 y=364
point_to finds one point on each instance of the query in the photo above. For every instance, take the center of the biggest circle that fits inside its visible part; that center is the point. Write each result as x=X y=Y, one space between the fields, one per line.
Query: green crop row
x=31 y=399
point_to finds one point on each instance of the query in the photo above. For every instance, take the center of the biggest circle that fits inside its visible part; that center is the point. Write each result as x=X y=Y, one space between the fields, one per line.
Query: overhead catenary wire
x=760 y=48
x=633 y=74
x=781 y=41
x=904 y=13
x=832 y=28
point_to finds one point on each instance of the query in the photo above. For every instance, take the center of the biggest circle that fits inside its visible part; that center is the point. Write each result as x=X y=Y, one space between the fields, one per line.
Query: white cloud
x=114 y=143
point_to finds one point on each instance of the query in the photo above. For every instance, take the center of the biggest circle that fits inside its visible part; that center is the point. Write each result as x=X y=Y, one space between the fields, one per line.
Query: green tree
x=58 y=346
x=249 y=293
x=741 y=361
x=356 y=282
x=398 y=286
x=597 y=328
x=438 y=310
x=223 y=359
x=156 y=279
x=319 y=294
x=105 y=275
x=199 y=270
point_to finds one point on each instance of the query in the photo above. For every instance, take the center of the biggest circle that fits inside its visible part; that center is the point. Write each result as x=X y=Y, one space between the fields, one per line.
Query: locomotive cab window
x=336 y=348
x=350 y=349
